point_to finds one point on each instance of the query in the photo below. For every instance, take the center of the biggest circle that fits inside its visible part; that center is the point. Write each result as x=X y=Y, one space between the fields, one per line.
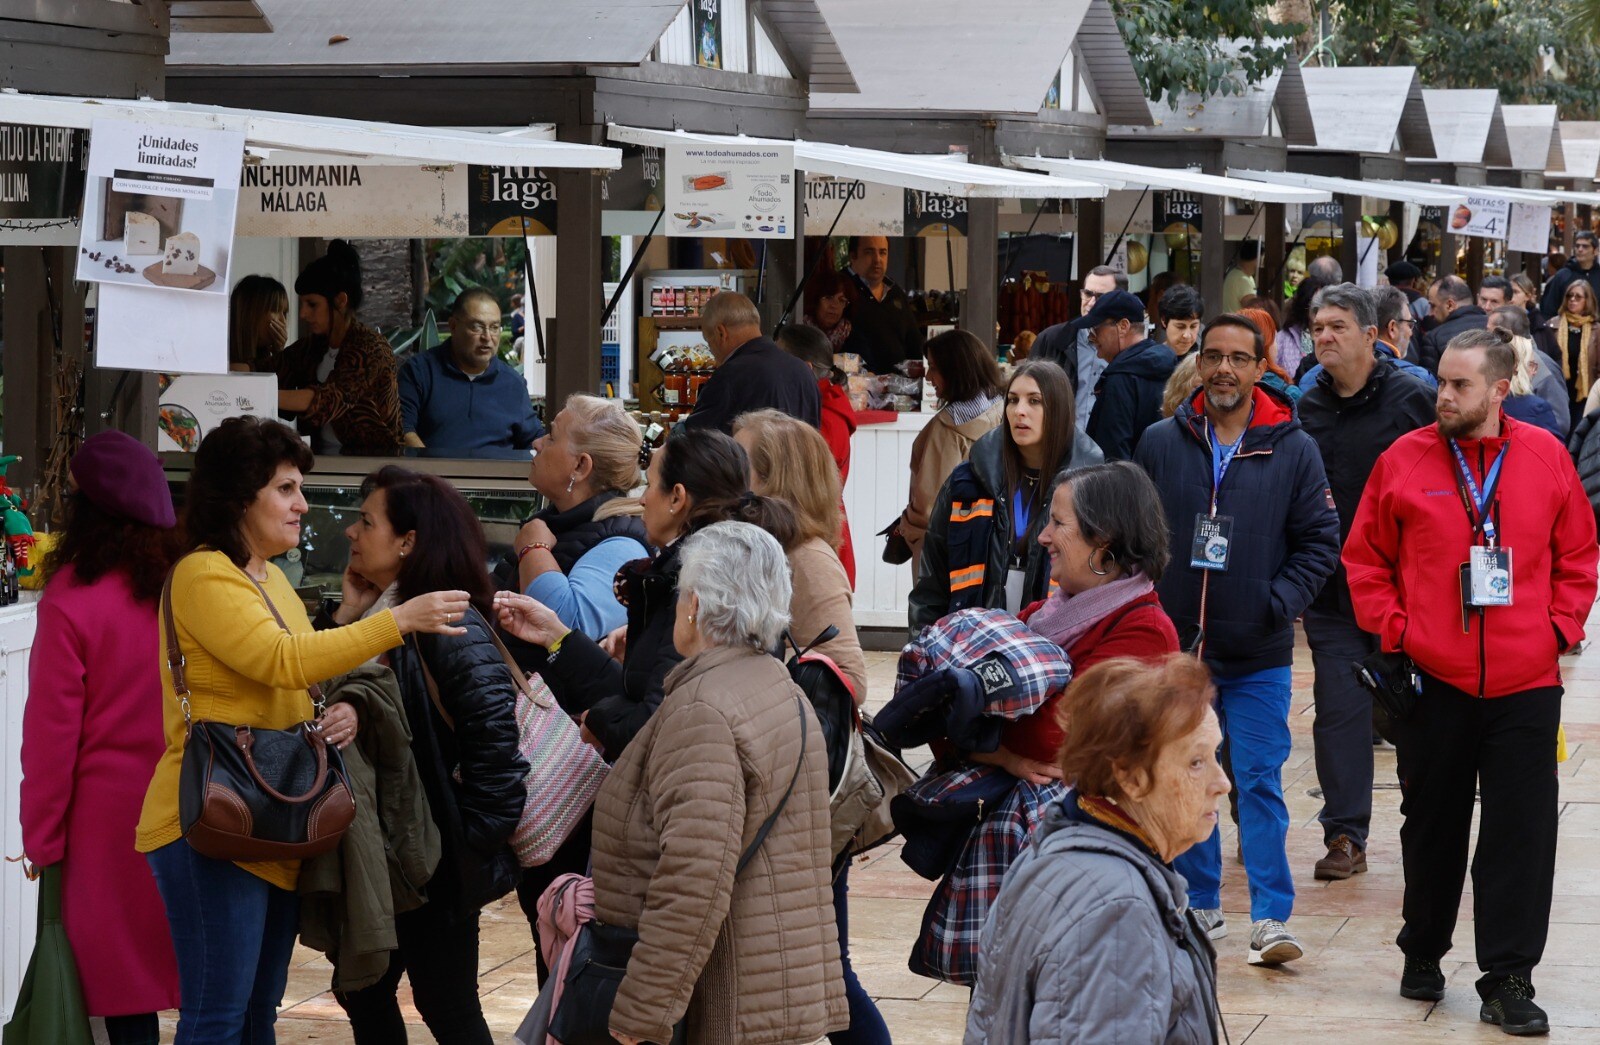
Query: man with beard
x=1254 y=536
x=1473 y=553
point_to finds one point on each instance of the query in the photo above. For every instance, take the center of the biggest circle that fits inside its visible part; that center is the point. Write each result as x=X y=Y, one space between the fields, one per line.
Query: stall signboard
x=166 y=331
x=853 y=208
x=352 y=201
x=1178 y=214
x=705 y=23
x=160 y=206
x=1052 y=96
x=934 y=214
x=1325 y=219
x=41 y=172
x=510 y=201
x=1488 y=217
x=1530 y=228
x=730 y=190
x=191 y=405
x=631 y=196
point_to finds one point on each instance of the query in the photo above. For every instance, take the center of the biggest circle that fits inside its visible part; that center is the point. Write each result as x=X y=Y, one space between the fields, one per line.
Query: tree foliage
x=1209 y=47
x=1532 y=51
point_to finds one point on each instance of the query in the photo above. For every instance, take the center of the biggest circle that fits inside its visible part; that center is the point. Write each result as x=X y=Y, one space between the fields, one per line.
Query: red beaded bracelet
x=528 y=548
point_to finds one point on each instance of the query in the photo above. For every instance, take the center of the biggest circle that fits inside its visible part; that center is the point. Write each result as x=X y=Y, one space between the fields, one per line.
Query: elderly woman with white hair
x=711 y=835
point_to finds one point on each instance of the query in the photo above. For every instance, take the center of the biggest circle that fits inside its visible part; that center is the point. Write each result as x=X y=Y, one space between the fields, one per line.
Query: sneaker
x=1342 y=861
x=1210 y=921
x=1510 y=1007
x=1271 y=943
x=1422 y=980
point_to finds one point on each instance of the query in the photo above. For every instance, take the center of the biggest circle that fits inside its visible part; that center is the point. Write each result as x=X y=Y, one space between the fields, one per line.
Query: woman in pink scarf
x=1107 y=539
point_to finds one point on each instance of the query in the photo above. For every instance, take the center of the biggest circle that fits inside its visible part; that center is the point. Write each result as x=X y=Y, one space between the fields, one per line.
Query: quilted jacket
x=753 y=960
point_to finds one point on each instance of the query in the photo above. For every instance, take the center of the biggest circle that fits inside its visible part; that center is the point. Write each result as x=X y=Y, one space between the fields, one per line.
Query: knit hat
x=123 y=476
x=336 y=272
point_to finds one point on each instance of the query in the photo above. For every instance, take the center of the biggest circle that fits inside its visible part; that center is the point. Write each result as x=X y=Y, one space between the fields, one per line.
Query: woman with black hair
x=701 y=476
x=417 y=534
x=982 y=548
x=340 y=377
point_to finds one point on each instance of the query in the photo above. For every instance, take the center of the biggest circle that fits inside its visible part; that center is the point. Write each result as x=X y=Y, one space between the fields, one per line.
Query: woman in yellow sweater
x=234 y=925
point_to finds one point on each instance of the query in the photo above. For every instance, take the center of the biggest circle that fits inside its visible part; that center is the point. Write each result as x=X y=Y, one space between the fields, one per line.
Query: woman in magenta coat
x=92 y=733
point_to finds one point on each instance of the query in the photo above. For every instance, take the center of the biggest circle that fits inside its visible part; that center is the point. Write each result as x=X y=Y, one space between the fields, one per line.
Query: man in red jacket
x=1473 y=552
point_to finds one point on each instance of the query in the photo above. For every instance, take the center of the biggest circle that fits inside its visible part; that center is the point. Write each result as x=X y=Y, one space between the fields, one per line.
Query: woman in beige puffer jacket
x=752 y=958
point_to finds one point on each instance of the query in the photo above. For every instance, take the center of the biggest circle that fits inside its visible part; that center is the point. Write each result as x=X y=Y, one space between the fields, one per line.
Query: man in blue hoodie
x=1127 y=398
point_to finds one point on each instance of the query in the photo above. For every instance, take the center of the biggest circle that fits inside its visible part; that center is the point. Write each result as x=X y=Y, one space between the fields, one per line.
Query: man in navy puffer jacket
x=1254 y=537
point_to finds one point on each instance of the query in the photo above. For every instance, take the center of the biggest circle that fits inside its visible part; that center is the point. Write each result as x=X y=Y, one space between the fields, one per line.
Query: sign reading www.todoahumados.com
x=730 y=190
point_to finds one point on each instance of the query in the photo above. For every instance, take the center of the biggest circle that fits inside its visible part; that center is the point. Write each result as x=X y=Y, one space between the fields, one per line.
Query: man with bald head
x=753 y=373
x=884 y=329
x=1450 y=302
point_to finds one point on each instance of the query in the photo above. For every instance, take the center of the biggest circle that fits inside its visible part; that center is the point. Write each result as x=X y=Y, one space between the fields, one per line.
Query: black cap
x=1112 y=306
x=1401 y=271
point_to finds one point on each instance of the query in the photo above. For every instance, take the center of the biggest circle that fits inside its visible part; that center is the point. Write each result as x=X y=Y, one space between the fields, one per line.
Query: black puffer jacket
x=478 y=811
x=1585 y=448
x=1285 y=541
x=620 y=698
x=1464 y=318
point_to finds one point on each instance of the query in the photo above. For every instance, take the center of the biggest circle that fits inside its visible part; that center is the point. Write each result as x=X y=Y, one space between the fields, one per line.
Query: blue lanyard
x=1020 y=512
x=1481 y=500
x=1222 y=456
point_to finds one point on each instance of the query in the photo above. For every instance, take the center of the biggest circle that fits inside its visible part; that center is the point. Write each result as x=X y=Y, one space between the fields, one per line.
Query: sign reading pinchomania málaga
x=745 y=191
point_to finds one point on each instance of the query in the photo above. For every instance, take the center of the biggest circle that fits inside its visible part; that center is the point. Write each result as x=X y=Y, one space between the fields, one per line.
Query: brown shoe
x=1342 y=861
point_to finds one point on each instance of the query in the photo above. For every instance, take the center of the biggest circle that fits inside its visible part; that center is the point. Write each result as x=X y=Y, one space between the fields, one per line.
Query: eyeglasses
x=653 y=437
x=1090 y=294
x=480 y=329
x=1236 y=360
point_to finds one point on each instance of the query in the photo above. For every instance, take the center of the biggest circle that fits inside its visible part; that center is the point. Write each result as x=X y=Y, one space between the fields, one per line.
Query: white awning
x=948 y=175
x=1401 y=192
x=291 y=137
x=1135 y=176
x=1544 y=197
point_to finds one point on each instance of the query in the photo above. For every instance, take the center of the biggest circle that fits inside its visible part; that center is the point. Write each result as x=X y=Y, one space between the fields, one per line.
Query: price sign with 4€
x=1485 y=216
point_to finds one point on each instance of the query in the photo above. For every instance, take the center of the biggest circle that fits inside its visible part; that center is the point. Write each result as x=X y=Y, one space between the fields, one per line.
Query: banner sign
x=1178 y=213
x=352 y=201
x=1530 y=228
x=1486 y=216
x=730 y=190
x=508 y=201
x=934 y=214
x=41 y=171
x=1326 y=218
x=861 y=208
x=160 y=206
x=631 y=195
x=705 y=23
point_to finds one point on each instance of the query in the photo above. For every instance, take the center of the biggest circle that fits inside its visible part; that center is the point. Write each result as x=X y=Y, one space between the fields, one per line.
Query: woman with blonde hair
x=1523 y=403
x=1569 y=340
x=1181 y=385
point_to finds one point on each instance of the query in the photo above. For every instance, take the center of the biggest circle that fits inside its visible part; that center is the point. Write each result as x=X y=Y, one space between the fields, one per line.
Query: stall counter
x=874 y=496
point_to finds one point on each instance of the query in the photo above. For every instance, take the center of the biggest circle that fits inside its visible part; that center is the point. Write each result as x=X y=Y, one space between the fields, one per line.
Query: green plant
x=1208 y=47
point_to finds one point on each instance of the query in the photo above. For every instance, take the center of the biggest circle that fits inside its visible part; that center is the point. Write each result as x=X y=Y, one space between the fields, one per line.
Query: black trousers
x=1504 y=748
x=571 y=858
x=439 y=955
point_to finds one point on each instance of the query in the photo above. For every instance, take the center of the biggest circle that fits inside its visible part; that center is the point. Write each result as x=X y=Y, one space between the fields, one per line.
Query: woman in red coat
x=92 y=733
x=811 y=346
x=1107 y=539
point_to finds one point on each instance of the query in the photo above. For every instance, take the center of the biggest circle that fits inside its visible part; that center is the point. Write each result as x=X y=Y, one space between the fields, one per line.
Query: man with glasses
x=1582 y=266
x=1128 y=394
x=460 y=396
x=1360 y=403
x=1254 y=537
x=1070 y=348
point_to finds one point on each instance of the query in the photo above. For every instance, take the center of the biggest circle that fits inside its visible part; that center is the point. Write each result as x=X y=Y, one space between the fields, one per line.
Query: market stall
x=1580 y=153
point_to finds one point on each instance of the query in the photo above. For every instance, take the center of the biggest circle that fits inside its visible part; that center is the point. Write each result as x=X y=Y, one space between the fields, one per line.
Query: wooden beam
x=1213 y=254
x=1270 y=266
x=1349 y=252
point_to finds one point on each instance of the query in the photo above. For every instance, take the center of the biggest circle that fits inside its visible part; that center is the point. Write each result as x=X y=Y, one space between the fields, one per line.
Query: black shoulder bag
x=601 y=952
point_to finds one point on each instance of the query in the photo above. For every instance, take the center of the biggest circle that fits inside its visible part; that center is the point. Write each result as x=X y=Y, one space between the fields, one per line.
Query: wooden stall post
x=1213 y=253
x=1475 y=263
x=980 y=310
x=574 y=358
x=1350 y=228
x=1273 y=258
x=1091 y=237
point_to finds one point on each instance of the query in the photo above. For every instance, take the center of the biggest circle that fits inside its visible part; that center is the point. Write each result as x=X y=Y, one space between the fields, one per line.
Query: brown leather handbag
x=253 y=794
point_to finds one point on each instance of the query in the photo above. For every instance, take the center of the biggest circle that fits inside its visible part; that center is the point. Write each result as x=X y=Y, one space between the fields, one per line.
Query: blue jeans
x=1254 y=712
x=866 y=1023
x=233 y=934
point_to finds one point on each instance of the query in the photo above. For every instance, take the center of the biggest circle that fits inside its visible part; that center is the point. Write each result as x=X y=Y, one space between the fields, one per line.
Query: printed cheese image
x=142 y=234
x=182 y=256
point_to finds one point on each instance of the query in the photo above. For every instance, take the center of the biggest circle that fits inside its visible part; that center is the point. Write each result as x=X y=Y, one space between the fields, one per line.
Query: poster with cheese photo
x=160 y=206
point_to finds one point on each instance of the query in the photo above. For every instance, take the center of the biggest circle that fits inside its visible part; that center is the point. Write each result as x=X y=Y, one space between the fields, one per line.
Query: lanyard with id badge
x=1016 y=566
x=1486 y=575
x=1213 y=533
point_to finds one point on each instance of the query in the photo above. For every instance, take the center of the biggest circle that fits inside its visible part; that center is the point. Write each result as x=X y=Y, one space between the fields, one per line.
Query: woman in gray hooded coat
x=1091 y=938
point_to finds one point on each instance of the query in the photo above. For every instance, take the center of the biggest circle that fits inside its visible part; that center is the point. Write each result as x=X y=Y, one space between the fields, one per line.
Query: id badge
x=1213 y=536
x=1489 y=579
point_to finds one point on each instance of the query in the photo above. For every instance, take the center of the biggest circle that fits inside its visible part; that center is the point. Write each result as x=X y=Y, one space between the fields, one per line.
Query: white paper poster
x=160 y=205
x=193 y=404
x=1485 y=216
x=168 y=331
x=861 y=208
x=351 y=201
x=1530 y=228
x=730 y=190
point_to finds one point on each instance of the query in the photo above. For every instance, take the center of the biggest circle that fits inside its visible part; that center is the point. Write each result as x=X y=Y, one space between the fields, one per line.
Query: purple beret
x=123 y=476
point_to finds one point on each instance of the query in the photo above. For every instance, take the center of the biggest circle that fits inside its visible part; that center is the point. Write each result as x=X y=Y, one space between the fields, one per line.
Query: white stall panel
x=875 y=494
x=19 y=898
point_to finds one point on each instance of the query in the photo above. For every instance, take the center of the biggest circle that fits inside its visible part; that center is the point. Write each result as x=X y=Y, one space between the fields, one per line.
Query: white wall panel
x=19 y=898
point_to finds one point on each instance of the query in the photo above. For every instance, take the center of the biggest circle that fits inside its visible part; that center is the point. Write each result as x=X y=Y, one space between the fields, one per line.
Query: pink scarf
x=563 y=907
x=1065 y=619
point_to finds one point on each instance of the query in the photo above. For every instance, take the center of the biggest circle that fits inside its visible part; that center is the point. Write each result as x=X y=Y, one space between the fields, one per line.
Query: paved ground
x=1345 y=986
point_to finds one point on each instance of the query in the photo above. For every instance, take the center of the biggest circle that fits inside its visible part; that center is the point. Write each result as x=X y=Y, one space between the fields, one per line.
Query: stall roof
x=951 y=56
x=1105 y=53
x=1468 y=126
x=1546 y=197
x=1367 y=108
x=1535 y=137
x=1134 y=176
x=1401 y=192
x=217 y=16
x=1582 y=156
x=315 y=137
x=1245 y=115
x=949 y=175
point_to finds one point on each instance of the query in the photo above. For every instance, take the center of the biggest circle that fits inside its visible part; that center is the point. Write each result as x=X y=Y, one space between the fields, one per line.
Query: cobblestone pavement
x=1344 y=986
